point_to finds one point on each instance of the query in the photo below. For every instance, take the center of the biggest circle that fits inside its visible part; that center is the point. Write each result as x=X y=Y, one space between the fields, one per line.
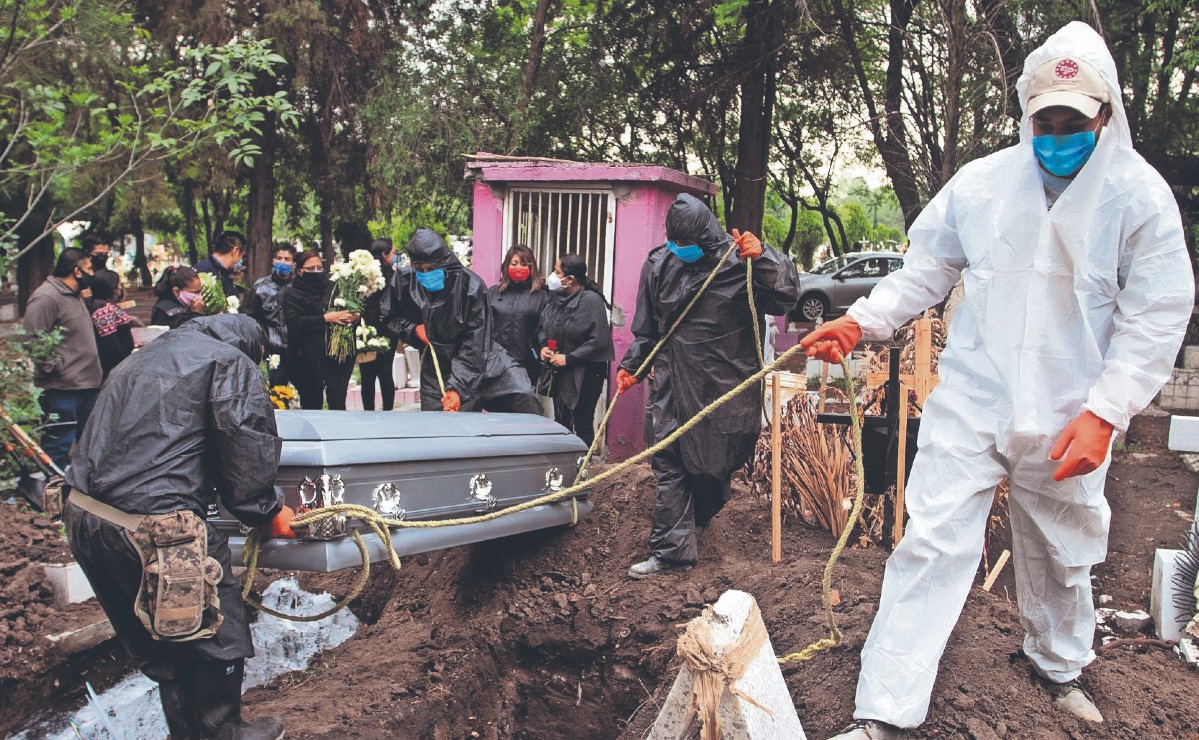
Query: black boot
x=217 y=691
x=176 y=696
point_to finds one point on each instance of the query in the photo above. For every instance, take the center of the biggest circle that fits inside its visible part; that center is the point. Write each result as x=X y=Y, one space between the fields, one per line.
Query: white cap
x=1067 y=81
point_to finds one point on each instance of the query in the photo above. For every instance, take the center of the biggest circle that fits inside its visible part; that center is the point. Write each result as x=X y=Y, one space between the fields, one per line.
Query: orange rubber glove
x=421 y=334
x=748 y=246
x=1084 y=443
x=624 y=380
x=280 y=526
x=451 y=401
x=832 y=340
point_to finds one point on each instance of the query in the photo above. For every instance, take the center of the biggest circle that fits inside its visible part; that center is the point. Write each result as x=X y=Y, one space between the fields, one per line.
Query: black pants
x=379 y=369
x=683 y=501
x=580 y=418
x=325 y=384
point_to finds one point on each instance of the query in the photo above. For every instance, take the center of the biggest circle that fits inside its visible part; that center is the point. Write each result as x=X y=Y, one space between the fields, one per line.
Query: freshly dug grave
x=543 y=636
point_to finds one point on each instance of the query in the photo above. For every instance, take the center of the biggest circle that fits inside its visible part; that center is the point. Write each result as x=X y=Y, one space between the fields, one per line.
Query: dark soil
x=543 y=636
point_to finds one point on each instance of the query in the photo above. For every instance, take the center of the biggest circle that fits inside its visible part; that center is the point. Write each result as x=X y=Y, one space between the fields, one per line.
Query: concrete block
x=763 y=680
x=1168 y=619
x=8 y=312
x=1184 y=434
x=84 y=638
x=1188 y=651
x=69 y=584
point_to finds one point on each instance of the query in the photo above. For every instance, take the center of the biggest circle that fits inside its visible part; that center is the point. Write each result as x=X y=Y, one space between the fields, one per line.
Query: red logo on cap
x=1066 y=69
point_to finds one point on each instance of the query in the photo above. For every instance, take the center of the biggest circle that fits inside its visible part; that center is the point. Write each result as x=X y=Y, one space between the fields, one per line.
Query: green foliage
x=19 y=354
x=212 y=294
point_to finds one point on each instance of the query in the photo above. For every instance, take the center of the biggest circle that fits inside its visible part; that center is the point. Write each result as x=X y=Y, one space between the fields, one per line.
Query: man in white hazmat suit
x=1078 y=288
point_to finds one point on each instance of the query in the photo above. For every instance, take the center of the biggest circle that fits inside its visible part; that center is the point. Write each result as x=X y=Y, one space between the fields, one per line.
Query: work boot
x=655 y=566
x=869 y=729
x=217 y=697
x=178 y=710
x=1073 y=698
x=263 y=728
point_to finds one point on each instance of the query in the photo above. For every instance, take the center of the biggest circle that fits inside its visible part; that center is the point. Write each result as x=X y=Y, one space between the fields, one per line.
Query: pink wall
x=644 y=193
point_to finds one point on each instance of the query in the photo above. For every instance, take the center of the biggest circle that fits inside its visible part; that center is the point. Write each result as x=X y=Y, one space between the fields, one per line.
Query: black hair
x=174 y=277
x=68 y=261
x=283 y=247
x=93 y=239
x=226 y=241
x=529 y=258
x=105 y=285
x=575 y=266
x=380 y=247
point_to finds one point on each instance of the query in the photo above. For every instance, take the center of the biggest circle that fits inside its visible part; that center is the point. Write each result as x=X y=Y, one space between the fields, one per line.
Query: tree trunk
x=139 y=260
x=188 y=205
x=34 y=266
x=261 y=203
x=757 y=105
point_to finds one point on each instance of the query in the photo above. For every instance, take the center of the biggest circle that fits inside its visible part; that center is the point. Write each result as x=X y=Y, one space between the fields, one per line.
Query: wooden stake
x=823 y=386
x=999 y=563
x=897 y=532
x=776 y=469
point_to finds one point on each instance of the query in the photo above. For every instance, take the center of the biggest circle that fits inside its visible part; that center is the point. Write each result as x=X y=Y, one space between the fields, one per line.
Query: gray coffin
x=432 y=458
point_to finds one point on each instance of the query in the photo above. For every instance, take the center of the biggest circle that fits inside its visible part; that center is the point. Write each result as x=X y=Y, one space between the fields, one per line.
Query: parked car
x=832 y=287
x=414 y=466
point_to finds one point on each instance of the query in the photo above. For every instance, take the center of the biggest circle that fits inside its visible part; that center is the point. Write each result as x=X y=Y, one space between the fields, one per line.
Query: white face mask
x=553 y=282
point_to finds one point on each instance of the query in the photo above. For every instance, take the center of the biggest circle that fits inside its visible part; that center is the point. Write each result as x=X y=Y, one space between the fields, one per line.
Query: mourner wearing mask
x=321 y=380
x=441 y=305
x=179 y=300
x=265 y=305
x=576 y=345
x=114 y=327
x=516 y=302
x=228 y=257
x=181 y=425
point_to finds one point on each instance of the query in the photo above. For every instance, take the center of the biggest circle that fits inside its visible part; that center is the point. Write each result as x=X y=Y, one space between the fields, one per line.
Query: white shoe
x=1071 y=697
x=868 y=729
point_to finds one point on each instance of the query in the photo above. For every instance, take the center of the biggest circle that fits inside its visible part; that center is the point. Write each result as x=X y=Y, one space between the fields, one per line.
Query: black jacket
x=170 y=312
x=210 y=264
x=372 y=307
x=515 y=314
x=305 y=303
x=114 y=333
x=714 y=348
x=265 y=305
x=183 y=421
x=579 y=324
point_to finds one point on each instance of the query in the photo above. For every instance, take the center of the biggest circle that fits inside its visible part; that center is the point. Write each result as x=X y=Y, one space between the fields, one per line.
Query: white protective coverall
x=1078 y=307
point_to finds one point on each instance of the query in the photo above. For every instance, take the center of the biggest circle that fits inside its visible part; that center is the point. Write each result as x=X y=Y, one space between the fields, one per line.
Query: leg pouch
x=178 y=599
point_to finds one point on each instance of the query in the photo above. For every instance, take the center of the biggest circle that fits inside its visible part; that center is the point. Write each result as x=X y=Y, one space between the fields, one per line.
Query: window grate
x=563 y=221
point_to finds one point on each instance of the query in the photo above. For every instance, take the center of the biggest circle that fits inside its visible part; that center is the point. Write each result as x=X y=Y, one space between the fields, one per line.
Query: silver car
x=832 y=287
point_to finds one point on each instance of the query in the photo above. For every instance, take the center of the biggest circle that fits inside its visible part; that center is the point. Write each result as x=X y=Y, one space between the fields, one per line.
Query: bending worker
x=710 y=352
x=187 y=414
x=1078 y=289
x=440 y=306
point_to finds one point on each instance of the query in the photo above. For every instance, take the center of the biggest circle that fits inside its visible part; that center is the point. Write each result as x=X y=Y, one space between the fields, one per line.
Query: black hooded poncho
x=714 y=348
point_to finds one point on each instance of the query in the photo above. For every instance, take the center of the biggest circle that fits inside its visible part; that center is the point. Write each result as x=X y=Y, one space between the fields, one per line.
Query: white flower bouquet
x=353 y=281
x=369 y=343
x=232 y=304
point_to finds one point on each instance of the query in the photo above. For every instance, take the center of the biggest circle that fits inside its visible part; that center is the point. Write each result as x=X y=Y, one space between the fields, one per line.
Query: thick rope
x=826 y=583
x=436 y=365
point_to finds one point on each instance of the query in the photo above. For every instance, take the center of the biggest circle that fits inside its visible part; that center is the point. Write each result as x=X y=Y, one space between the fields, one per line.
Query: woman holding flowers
x=311 y=323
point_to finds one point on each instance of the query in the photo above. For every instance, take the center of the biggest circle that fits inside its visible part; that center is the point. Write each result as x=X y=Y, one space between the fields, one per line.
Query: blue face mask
x=238 y=265
x=1064 y=155
x=433 y=280
x=283 y=269
x=395 y=260
x=687 y=254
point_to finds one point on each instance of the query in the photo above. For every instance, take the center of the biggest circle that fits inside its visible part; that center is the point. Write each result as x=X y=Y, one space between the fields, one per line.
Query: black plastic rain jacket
x=180 y=424
x=714 y=348
x=457 y=321
x=514 y=316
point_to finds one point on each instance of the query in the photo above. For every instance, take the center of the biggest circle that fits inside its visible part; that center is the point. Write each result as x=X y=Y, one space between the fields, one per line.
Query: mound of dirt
x=543 y=636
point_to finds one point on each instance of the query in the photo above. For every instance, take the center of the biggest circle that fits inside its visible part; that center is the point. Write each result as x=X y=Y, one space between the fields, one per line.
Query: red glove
x=280 y=526
x=624 y=380
x=1084 y=442
x=832 y=340
x=421 y=334
x=748 y=245
x=451 y=401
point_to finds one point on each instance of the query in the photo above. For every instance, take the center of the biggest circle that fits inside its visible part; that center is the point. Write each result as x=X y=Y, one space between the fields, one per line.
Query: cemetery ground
x=543 y=636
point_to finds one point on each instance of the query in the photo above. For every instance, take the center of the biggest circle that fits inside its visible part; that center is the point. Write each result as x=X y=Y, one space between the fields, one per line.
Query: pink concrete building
x=612 y=214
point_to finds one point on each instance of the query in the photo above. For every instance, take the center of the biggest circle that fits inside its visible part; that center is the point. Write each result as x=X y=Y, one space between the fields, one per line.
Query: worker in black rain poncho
x=437 y=302
x=180 y=425
x=712 y=351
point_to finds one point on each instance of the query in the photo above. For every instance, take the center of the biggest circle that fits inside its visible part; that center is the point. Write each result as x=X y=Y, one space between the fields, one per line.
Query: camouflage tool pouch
x=178 y=598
